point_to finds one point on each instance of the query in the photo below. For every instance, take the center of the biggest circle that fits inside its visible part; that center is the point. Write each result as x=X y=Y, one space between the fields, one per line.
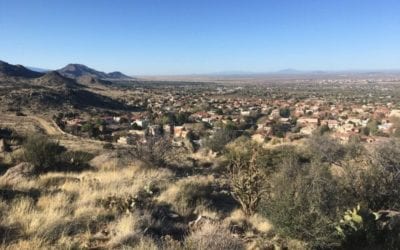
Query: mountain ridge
x=75 y=70
x=10 y=70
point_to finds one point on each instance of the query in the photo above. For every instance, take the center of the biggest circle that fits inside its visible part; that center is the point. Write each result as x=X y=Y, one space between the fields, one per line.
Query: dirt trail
x=49 y=127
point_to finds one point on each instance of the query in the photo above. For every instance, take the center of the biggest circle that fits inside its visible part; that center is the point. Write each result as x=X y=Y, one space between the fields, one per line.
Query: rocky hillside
x=22 y=89
x=90 y=80
x=55 y=79
x=9 y=70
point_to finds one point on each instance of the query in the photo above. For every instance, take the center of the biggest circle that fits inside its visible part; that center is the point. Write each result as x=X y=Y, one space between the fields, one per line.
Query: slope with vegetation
x=318 y=195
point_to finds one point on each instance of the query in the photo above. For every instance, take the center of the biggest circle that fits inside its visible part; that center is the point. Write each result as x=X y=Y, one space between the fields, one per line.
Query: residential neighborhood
x=199 y=114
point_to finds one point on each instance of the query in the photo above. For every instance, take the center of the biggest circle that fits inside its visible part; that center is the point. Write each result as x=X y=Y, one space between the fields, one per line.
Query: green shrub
x=193 y=194
x=155 y=151
x=309 y=193
x=42 y=152
x=303 y=203
x=219 y=139
x=284 y=112
x=325 y=149
x=74 y=160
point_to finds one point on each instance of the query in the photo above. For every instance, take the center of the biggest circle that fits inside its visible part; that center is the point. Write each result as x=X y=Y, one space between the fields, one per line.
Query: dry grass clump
x=54 y=180
x=115 y=160
x=125 y=232
x=27 y=244
x=128 y=181
x=45 y=220
x=64 y=212
x=213 y=236
x=189 y=193
x=255 y=222
x=9 y=158
x=145 y=243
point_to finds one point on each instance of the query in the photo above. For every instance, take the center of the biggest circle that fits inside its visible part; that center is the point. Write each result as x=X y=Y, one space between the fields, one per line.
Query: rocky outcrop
x=21 y=172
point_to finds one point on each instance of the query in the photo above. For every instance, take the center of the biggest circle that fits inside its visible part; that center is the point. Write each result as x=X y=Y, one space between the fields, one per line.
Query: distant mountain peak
x=288 y=71
x=118 y=75
x=75 y=70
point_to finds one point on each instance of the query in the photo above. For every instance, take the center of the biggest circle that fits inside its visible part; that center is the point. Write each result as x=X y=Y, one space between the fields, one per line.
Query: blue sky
x=201 y=36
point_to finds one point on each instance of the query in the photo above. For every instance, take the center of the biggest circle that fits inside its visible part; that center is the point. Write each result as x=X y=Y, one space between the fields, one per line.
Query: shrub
x=194 y=194
x=374 y=182
x=326 y=149
x=303 y=202
x=307 y=197
x=387 y=156
x=219 y=139
x=284 y=112
x=323 y=129
x=154 y=151
x=74 y=160
x=188 y=194
x=246 y=177
x=42 y=152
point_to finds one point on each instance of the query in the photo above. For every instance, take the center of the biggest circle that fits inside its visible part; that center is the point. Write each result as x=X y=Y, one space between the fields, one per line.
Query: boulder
x=21 y=172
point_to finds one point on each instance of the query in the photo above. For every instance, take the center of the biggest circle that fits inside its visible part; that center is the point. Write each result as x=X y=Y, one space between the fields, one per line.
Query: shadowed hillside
x=16 y=71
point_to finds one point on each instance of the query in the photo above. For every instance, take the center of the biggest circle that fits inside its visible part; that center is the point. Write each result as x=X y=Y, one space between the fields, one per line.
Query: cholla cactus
x=247 y=182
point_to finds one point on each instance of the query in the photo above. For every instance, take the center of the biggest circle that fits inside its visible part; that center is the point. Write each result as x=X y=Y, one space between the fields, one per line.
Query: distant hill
x=118 y=75
x=10 y=70
x=288 y=71
x=90 y=80
x=78 y=70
